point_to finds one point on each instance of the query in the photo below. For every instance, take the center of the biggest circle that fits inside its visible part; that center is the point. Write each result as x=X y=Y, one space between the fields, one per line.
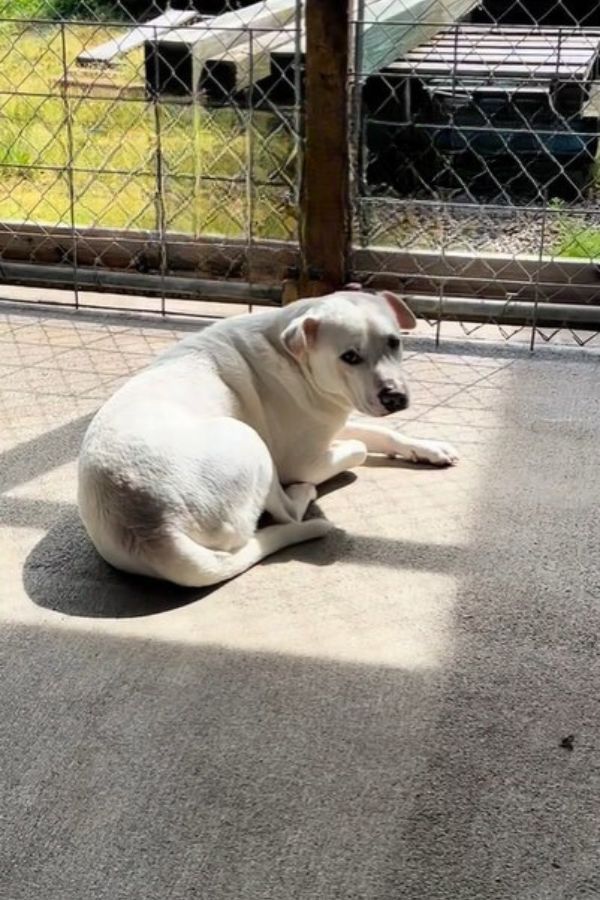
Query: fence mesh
x=146 y=149
x=478 y=176
x=123 y=142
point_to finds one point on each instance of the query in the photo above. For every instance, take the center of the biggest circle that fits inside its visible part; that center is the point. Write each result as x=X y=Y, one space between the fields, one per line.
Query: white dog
x=178 y=466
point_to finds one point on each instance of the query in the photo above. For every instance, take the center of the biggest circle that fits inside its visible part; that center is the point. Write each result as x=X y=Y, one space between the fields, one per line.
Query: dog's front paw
x=436 y=453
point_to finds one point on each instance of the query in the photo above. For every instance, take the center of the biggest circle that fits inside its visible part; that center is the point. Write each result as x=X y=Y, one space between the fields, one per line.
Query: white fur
x=177 y=467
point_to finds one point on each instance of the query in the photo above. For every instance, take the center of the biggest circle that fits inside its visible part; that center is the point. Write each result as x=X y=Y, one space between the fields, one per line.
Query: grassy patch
x=15 y=157
x=113 y=146
x=60 y=9
x=578 y=242
x=573 y=236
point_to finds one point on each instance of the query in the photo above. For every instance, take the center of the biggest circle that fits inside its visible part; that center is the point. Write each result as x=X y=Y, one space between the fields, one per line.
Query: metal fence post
x=159 y=174
x=325 y=186
x=68 y=122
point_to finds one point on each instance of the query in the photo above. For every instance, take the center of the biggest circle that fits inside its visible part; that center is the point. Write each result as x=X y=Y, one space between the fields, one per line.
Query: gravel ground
x=515 y=231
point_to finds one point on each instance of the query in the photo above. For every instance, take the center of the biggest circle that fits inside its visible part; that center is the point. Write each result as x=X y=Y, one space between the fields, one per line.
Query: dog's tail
x=181 y=560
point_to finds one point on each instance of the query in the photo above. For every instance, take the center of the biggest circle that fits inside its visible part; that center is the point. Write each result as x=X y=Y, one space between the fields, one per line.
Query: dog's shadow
x=64 y=573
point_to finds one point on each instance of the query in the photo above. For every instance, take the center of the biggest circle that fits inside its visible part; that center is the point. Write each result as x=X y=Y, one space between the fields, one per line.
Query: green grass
x=205 y=154
x=572 y=236
x=60 y=9
x=578 y=243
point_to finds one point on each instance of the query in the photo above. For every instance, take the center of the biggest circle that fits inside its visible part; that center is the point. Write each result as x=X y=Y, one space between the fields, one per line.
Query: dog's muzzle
x=391 y=400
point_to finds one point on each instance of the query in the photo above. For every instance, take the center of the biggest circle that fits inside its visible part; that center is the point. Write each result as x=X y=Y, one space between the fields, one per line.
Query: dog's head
x=349 y=344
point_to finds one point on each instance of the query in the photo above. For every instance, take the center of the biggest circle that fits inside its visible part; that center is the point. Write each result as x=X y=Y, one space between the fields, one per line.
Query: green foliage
x=61 y=9
x=578 y=242
x=15 y=158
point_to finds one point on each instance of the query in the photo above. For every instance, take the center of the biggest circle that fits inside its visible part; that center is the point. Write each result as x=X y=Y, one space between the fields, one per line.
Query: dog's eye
x=393 y=342
x=351 y=357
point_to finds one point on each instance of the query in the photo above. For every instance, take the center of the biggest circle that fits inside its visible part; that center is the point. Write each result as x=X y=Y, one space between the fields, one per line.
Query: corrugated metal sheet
x=247 y=62
x=234 y=25
x=104 y=54
x=541 y=54
x=392 y=28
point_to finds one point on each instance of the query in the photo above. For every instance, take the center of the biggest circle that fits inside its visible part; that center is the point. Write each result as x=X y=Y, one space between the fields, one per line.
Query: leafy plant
x=16 y=158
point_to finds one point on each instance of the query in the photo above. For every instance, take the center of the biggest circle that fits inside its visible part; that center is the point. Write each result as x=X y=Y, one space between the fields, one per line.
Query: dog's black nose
x=392 y=400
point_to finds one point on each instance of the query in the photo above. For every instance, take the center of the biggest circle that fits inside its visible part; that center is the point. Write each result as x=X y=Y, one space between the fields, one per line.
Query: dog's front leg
x=379 y=439
x=339 y=457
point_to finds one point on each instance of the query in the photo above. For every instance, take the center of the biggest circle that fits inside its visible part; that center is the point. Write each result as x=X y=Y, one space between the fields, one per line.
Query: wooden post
x=325 y=187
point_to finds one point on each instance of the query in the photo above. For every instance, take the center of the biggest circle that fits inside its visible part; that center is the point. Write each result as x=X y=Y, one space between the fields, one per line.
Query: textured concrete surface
x=377 y=715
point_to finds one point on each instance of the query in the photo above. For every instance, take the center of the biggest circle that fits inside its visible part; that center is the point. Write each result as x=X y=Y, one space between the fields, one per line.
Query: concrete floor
x=376 y=715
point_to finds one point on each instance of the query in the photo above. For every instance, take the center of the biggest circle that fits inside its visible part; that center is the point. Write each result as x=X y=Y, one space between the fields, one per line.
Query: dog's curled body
x=177 y=467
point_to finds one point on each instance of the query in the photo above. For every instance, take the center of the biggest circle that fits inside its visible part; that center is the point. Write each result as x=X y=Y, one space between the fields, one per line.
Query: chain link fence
x=149 y=151
x=478 y=181
x=156 y=151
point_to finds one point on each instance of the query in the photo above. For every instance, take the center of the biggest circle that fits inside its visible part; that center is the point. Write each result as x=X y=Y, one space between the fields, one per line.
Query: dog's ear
x=404 y=316
x=300 y=335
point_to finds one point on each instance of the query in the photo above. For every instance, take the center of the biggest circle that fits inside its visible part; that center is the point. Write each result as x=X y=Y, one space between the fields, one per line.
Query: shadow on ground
x=64 y=572
x=152 y=770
